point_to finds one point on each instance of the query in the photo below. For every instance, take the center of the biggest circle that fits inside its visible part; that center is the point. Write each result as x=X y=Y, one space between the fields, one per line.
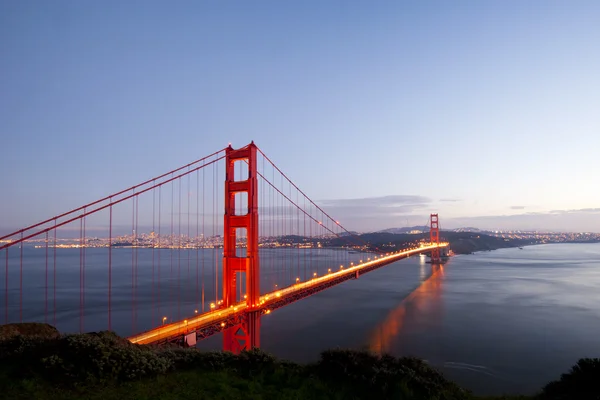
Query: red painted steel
x=241 y=327
x=109 y=198
x=434 y=237
x=245 y=335
x=87 y=213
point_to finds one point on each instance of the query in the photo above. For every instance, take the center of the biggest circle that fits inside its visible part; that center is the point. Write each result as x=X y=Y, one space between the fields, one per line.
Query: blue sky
x=483 y=111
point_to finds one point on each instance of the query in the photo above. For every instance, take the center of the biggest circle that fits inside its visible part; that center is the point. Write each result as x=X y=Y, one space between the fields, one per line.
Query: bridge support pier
x=243 y=336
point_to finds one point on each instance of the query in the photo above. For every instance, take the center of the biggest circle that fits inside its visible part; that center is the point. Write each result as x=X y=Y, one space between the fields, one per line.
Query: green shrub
x=582 y=382
x=385 y=376
x=81 y=358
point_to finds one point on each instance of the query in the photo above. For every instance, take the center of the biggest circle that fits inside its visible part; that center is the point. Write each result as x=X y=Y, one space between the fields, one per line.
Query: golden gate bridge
x=238 y=217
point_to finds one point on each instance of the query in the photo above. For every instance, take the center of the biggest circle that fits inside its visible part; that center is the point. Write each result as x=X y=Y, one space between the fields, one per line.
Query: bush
x=190 y=358
x=385 y=376
x=104 y=356
x=582 y=382
x=81 y=358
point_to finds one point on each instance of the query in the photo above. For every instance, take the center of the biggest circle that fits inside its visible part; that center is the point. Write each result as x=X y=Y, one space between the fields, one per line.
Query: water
x=506 y=321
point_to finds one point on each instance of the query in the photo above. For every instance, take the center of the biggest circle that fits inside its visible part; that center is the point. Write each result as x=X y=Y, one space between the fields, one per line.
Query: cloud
x=517 y=207
x=580 y=220
x=577 y=211
x=374 y=212
x=383 y=201
x=376 y=206
x=451 y=200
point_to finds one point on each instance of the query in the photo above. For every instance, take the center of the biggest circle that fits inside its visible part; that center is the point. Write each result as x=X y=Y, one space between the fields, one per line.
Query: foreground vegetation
x=36 y=362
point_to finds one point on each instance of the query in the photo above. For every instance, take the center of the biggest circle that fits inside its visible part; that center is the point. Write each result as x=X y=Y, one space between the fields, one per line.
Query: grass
x=195 y=384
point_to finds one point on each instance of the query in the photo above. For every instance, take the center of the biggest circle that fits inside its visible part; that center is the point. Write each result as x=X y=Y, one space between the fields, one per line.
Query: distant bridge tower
x=434 y=236
x=245 y=333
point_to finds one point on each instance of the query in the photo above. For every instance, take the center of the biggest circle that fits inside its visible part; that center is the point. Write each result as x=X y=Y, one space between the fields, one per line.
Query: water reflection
x=425 y=300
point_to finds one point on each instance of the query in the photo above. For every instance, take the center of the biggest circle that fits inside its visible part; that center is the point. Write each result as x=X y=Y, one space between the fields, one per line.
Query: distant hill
x=460 y=242
x=467 y=229
x=406 y=229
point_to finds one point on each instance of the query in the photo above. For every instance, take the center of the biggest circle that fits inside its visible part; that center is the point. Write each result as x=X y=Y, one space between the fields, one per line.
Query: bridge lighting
x=245 y=296
x=185 y=321
x=267 y=297
x=195 y=311
x=164 y=319
x=315 y=274
x=212 y=305
x=268 y=312
x=222 y=324
x=361 y=261
x=278 y=294
x=329 y=270
x=297 y=280
x=341 y=267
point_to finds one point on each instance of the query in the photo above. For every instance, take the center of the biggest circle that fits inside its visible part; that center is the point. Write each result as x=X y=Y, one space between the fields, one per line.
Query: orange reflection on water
x=426 y=296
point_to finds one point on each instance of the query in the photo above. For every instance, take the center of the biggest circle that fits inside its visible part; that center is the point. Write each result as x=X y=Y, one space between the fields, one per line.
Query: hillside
x=460 y=242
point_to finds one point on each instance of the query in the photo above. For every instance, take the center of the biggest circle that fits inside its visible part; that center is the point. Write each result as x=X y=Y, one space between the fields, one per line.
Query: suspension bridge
x=206 y=248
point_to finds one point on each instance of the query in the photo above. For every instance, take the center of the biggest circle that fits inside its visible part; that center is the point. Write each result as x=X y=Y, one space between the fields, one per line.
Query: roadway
x=218 y=319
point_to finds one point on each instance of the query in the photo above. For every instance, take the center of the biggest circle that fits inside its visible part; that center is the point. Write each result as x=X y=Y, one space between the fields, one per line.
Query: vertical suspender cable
x=153 y=249
x=6 y=286
x=203 y=234
x=21 y=280
x=159 y=247
x=109 y=268
x=46 y=284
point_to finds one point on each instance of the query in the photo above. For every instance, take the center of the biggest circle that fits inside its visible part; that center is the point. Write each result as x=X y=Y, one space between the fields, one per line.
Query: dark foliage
x=32 y=365
x=385 y=376
x=84 y=358
x=582 y=382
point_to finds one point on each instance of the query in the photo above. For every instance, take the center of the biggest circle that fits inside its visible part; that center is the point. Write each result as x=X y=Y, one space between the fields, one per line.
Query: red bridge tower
x=434 y=236
x=245 y=334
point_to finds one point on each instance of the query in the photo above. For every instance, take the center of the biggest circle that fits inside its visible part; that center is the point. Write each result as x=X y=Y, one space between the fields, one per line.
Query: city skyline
x=481 y=112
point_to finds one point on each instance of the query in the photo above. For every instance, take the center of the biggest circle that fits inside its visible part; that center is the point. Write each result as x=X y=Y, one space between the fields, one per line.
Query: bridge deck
x=214 y=321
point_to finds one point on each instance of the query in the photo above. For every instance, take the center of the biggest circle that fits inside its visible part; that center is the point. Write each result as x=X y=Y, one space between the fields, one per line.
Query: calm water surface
x=505 y=321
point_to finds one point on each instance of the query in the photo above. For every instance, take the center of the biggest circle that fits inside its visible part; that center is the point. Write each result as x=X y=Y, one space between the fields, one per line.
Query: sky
x=483 y=111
